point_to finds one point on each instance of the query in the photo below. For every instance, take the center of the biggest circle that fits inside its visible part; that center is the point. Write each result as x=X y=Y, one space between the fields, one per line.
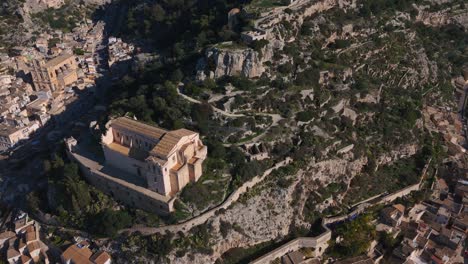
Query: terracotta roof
x=193 y=160
x=166 y=145
x=182 y=132
x=170 y=140
x=400 y=208
x=78 y=255
x=34 y=246
x=177 y=166
x=29 y=228
x=138 y=127
x=11 y=253
x=30 y=236
x=21 y=244
x=101 y=257
x=57 y=60
x=25 y=259
x=7 y=235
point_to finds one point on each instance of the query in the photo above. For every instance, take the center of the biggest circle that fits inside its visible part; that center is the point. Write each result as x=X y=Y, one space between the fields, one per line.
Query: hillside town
x=22 y=240
x=53 y=82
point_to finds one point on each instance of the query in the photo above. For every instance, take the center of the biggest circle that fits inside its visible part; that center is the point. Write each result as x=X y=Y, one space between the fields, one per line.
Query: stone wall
x=319 y=243
x=123 y=162
x=202 y=218
x=403 y=192
x=121 y=190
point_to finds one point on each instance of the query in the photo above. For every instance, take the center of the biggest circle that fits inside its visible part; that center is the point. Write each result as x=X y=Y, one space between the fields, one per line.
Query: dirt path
x=275 y=118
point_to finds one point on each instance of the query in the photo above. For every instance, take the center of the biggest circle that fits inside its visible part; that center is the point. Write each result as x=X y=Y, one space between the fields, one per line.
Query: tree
x=216 y=149
x=245 y=171
x=108 y=222
x=356 y=236
x=158 y=13
x=177 y=76
x=201 y=114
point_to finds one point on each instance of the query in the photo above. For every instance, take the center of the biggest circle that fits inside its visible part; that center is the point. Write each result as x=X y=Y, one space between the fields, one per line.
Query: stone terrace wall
x=121 y=190
x=403 y=192
x=202 y=218
x=319 y=243
x=362 y=206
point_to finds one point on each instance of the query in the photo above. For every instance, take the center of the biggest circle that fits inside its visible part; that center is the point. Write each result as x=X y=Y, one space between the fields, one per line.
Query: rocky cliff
x=269 y=211
x=250 y=63
x=235 y=62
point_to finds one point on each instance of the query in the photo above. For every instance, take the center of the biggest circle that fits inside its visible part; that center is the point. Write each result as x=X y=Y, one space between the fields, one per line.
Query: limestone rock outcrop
x=234 y=61
x=247 y=62
x=237 y=62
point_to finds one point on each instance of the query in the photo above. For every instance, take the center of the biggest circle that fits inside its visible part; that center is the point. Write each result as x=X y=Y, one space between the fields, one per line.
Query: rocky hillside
x=349 y=83
x=23 y=21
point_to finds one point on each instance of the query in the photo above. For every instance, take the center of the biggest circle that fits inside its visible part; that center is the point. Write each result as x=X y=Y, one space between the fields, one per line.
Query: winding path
x=274 y=117
x=217 y=110
x=202 y=218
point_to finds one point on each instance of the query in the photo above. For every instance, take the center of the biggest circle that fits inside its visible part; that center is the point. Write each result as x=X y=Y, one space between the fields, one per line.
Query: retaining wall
x=340 y=218
x=318 y=243
x=121 y=190
x=202 y=218
x=403 y=192
x=363 y=205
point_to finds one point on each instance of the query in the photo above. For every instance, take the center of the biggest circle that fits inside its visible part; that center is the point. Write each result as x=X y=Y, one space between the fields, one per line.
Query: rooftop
x=57 y=60
x=11 y=253
x=6 y=130
x=138 y=127
x=25 y=259
x=7 y=235
x=34 y=246
x=78 y=255
x=167 y=144
x=400 y=208
x=130 y=152
x=100 y=257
